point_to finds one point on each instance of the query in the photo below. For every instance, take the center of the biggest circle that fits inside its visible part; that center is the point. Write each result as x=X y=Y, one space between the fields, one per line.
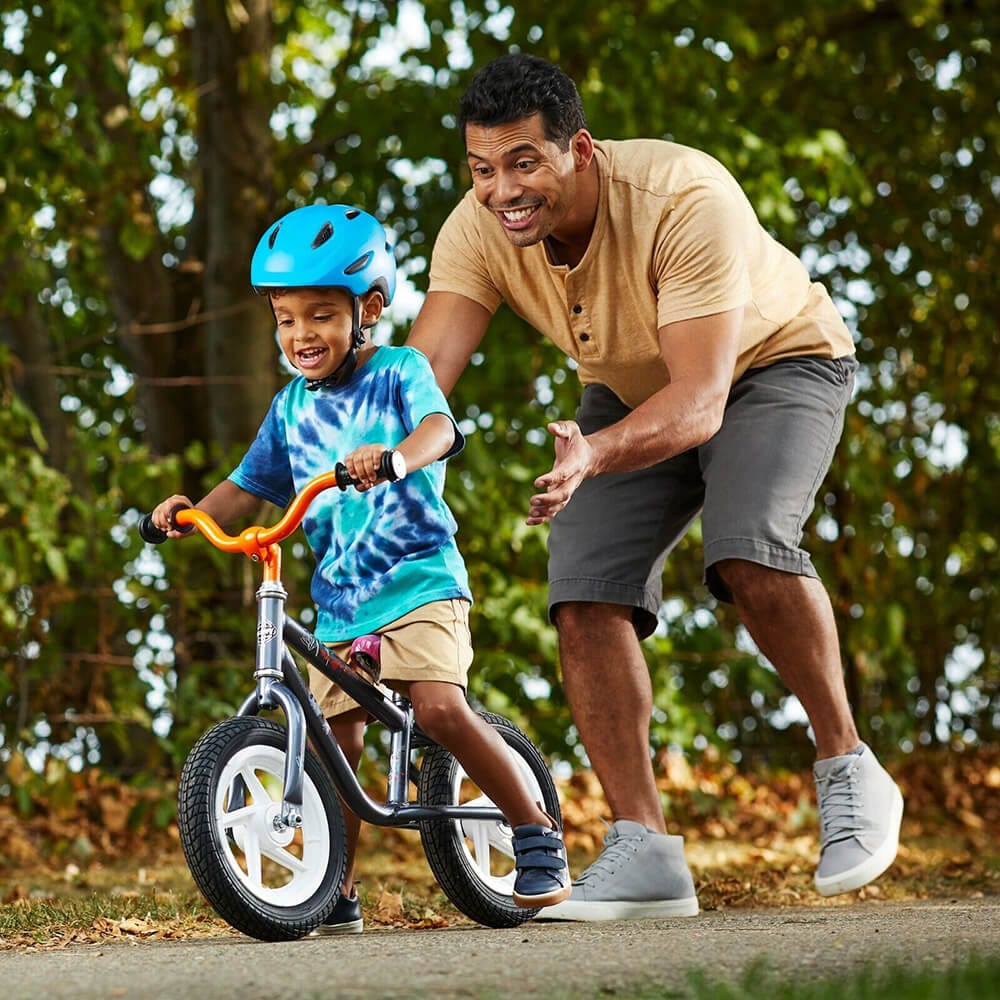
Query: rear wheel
x=267 y=880
x=473 y=860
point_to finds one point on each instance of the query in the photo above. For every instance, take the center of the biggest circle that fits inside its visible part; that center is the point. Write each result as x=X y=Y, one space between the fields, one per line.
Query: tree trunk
x=232 y=66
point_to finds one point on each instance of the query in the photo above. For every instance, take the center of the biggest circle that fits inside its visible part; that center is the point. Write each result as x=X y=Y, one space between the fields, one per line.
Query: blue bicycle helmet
x=325 y=246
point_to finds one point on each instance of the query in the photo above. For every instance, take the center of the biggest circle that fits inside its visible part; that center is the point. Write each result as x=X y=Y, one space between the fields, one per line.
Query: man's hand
x=574 y=460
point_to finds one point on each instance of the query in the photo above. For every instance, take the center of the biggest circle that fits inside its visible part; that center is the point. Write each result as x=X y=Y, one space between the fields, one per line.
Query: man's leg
x=606 y=555
x=642 y=871
x=607 y=685
x=762 y=472
x=791 y=621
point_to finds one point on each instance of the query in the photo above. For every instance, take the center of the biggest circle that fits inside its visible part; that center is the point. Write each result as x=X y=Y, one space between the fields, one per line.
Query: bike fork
x=272 y=693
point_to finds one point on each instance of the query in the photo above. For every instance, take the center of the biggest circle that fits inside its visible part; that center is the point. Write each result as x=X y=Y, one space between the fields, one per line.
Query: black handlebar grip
x=149 y=532
x=344 y=478
x=385 y=471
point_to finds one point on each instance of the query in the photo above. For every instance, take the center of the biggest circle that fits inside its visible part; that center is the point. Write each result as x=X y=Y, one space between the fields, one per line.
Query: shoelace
x=616 y=847
x=838 y=805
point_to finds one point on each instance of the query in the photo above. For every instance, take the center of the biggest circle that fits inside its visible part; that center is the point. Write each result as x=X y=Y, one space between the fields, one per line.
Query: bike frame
x=280 y=686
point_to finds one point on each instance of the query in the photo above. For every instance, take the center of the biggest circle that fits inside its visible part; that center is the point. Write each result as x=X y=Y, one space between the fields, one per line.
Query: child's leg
x=349 y=730
x=539 y=855
x=445 y=716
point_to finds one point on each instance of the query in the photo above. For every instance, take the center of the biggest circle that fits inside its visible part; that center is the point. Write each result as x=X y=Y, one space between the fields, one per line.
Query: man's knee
x=576 y=617
x=749 y=582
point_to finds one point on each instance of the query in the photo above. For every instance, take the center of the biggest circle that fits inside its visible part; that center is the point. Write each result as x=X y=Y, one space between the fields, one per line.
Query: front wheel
x=473 y=860
x=265 y=879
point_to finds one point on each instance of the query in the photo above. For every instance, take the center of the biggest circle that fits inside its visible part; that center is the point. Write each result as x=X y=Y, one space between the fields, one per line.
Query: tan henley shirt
x=675 y=238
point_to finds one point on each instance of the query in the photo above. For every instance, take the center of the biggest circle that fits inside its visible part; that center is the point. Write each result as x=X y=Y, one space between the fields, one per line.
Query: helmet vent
x=359 y=265
x=352 y=213
x=273 y=237
x=322 y=236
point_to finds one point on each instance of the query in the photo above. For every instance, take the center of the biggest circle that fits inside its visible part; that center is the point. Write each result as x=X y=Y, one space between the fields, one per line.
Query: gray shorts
x=754 y=484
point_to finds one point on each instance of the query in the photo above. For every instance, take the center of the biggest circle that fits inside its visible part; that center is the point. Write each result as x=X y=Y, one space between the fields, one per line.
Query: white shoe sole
x=549 y=899
x=872 y=867
x=334 y=930
x=619 y=909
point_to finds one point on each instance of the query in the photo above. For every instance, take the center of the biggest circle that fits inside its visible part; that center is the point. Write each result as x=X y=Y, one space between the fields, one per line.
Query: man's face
x=524 y=179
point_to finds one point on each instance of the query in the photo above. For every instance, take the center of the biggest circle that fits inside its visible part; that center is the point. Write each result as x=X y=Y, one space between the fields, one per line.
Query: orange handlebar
x=258 y=543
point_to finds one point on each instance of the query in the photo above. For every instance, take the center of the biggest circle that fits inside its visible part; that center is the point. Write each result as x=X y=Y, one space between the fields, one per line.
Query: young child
x=386 y=559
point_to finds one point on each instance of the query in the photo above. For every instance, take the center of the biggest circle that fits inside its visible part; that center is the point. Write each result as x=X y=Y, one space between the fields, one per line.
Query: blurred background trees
x=145 y=146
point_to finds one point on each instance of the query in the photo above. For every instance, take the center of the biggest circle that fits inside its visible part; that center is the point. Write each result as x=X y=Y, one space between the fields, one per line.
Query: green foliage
x=143 y=152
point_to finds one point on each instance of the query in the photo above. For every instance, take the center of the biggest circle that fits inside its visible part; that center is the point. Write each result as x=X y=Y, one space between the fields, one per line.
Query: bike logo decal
x=265 y=633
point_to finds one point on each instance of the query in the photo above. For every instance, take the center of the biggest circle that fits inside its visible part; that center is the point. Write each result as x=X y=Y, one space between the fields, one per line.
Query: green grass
x=45 y=918
x=974 y=978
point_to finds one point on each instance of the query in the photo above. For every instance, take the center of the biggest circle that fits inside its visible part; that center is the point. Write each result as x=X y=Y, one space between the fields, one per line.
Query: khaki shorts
x=430 y=643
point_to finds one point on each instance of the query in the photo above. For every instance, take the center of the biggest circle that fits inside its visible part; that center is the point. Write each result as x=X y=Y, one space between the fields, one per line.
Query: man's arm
x=700 y=355
x=447 y=330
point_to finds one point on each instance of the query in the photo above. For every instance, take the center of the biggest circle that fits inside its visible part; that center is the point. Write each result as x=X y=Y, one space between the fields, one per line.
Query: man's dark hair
x=517 y=86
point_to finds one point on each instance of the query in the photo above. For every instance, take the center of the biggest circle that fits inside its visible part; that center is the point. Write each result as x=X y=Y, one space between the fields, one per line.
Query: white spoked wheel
x=473 y=860
x=267 y=879
x=279 y=865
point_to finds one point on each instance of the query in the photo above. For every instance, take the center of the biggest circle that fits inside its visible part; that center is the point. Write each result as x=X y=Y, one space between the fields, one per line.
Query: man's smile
x=519 y=217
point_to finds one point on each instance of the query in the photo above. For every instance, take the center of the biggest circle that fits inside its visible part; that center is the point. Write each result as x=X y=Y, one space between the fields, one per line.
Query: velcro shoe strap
x=536 y=859
x=538 y=840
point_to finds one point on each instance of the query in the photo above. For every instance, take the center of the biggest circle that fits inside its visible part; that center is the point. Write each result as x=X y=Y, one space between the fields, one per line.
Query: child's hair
x=517 y=86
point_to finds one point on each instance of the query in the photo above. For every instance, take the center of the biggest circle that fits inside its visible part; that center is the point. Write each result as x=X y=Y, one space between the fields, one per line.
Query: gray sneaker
x=638 y=874
x=860 y=810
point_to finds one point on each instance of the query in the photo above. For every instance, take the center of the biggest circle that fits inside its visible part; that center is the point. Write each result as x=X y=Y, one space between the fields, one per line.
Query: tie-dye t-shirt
x=382 y=553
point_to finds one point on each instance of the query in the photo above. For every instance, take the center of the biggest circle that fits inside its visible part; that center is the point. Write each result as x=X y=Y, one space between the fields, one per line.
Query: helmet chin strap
x=346 y=368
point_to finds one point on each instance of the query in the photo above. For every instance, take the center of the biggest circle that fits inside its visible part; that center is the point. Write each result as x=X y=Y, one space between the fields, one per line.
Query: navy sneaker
x=542 y=872
x=345 y=918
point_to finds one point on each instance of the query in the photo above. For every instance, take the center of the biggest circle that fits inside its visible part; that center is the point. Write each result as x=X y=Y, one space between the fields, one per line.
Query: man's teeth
x=518 y=214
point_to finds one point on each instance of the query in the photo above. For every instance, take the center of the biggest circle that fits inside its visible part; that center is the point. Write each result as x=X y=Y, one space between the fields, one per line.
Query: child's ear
x=371 y=308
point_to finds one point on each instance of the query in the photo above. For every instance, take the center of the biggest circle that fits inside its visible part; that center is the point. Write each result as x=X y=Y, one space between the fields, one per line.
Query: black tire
x=473 y=861
x=273 y=885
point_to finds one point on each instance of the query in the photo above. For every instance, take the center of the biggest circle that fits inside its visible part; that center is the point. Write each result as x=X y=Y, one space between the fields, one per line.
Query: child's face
x=314 y=327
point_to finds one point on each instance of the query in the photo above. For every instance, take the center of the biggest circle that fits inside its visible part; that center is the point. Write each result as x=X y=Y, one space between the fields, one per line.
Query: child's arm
x=432 y=438
x=226 y=502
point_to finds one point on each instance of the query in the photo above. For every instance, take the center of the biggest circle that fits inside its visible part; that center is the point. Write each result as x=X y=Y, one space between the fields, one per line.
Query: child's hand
x=161 y=514
x=363 y=465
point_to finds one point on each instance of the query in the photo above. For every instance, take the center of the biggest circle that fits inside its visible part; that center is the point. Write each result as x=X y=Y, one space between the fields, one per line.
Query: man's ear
x=371 y=308
x=582 y=145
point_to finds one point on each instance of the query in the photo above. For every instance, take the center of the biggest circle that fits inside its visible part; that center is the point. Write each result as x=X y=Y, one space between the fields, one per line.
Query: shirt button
x=585 y=336
x=578 y=309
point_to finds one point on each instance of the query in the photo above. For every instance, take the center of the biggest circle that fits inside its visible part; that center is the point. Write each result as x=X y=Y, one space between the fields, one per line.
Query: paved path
x=539 y=960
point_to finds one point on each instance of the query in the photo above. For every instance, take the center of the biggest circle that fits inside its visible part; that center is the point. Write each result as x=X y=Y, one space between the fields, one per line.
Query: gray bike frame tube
x=396 y=812
x=280 y=685
x=331 y=666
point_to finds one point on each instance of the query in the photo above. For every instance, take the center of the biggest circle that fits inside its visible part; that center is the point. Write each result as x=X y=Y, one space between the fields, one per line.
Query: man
x=715 y=378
